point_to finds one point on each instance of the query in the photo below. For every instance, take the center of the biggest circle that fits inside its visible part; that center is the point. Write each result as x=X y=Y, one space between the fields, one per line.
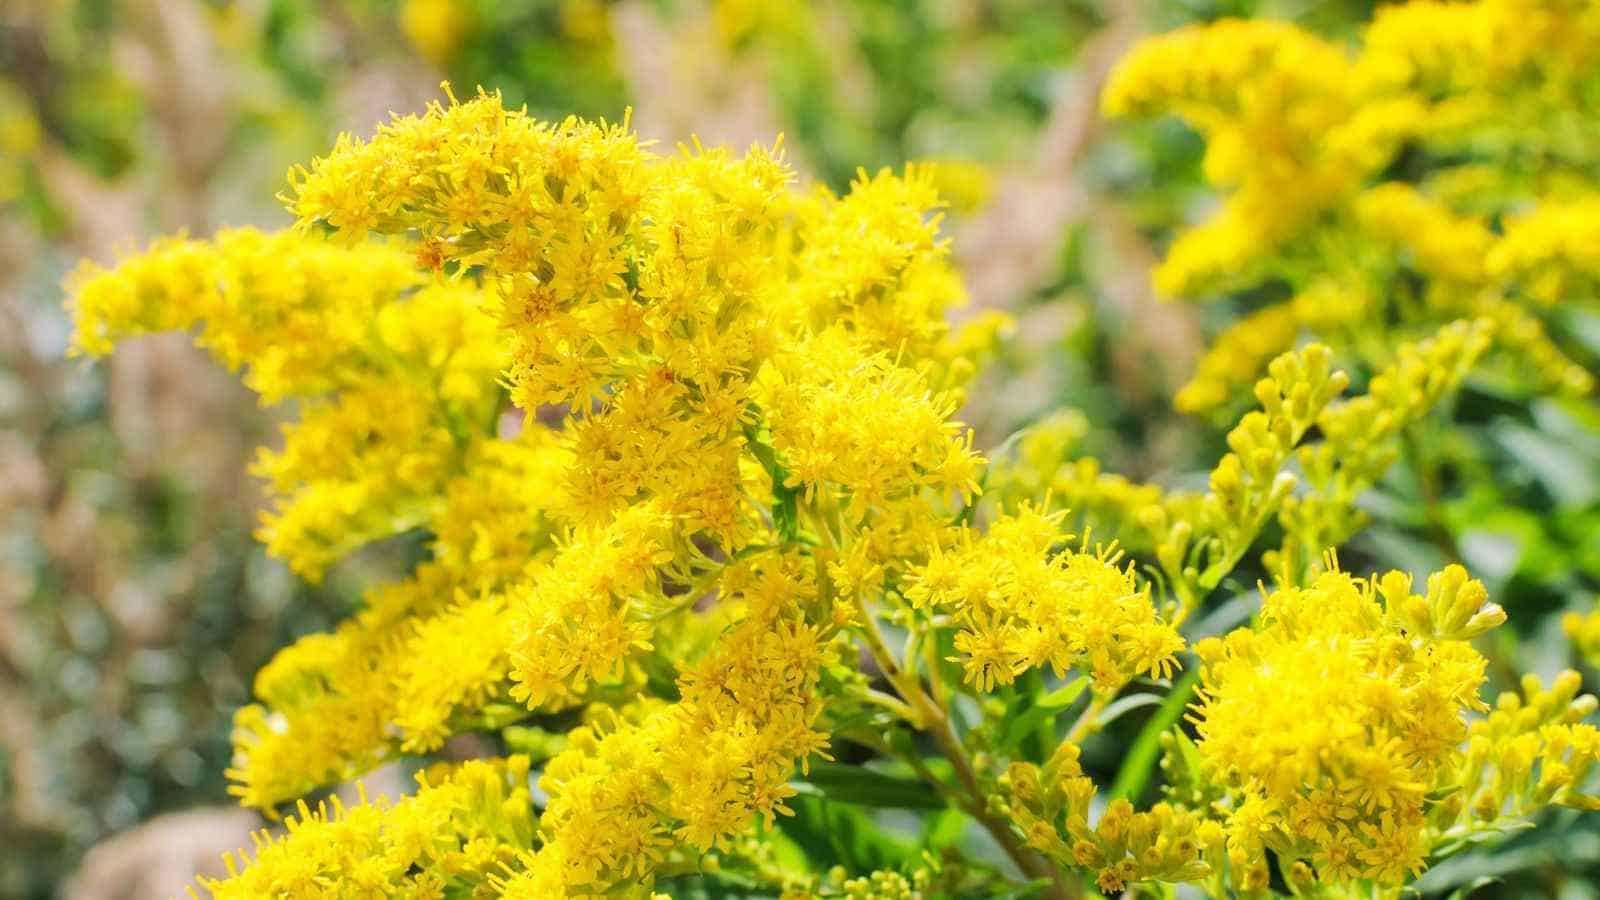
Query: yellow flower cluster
x=1442 y=244
x=1360 y=439
x=1394 y=770
x=1584 y=631
x=1531 y=751
x=736 y=441
x=1299 y=137
x=451 y=838
x=1037 y=466
x=1505 y=49
x=422 y=657
x=967 y=185
x=580 y=615
x=884 y=886
x=1238 y=355
x=1549 y=252
x=298 y=311
x=690 y=774
x=437 y=28
x=1020 y=606
x=1051 y=807
x=895 y=284
x=815 y=397
x=1283 y=131
x=735 y=462
x=1200 y=538
x=1390 y=676
x=643 y=295
x=394 y=375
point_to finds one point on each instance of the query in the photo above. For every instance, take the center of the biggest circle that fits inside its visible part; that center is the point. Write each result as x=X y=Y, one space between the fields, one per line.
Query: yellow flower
x=456 y=833
x=1022 y=604
x=1359 y=438
x=1391 y=679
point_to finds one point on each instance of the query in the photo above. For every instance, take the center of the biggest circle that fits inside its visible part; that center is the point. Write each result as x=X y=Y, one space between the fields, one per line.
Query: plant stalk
x=932 y=718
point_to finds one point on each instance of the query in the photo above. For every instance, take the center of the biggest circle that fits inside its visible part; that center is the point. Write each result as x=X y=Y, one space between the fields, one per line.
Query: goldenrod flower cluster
x=688 y=776
x=966 y=185
x=1022 y=606
x=437 y=28
x=1360 y=438
x=753 y=391
x=1240 y=353
x=1390 y=676
x=423 y=657
x=393 y=374
x=1051 y=806
x=681 y=439
x=1301 y=136
x=1197 y=539
x=1531 y=750
x=459 y=829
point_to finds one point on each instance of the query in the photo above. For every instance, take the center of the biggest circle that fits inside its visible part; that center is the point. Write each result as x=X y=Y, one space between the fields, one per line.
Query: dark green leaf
x=842 y=834
x=868 y=787
x=1017 y=727
x=1125 y=705
x=1031 y=889
x=1140 y=760
x=1466 y=890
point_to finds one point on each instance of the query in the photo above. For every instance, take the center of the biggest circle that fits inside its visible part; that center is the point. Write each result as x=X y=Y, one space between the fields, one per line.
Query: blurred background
x=134 y=605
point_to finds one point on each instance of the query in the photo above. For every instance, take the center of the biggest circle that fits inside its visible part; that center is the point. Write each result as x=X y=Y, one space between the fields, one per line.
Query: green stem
x=925 y=714
x=1430 y=493
x=931 y=718
x=1087 y=721
x=891 y=703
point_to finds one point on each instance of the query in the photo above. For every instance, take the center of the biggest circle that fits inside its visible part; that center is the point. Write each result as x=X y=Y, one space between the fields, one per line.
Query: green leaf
x=1031 y=889
x=944 y=829
x=785 y=499
x=870 y=787
x=1467 y=890
x=1187 y=751
x=1125 y=705
x=1457 y=839
x=1062 y=697
x=1565 y=472
x=722 y=885
x=841 y=834
x=1140 y=760
x=1018 y=727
